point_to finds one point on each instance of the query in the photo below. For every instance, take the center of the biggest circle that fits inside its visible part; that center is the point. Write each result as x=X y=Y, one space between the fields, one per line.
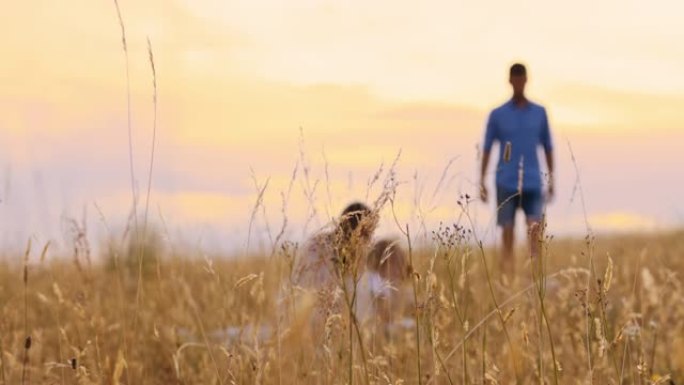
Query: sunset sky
x=247 y=89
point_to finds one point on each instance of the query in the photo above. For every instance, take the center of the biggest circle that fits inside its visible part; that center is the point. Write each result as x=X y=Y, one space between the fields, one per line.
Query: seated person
x=387 y=274
x=330 y=262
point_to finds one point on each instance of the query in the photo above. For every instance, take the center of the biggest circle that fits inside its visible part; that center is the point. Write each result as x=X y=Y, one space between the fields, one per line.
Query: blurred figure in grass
x=386 y=278
x=331 y=256
x=329 y=267
x=520 y=127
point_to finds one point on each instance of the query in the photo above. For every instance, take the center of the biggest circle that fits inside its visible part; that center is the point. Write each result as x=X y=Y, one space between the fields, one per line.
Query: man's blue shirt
x=526 y=128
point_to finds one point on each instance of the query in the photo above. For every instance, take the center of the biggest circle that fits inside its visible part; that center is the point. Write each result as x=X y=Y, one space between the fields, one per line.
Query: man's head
x=518 y=79
x=352 y=216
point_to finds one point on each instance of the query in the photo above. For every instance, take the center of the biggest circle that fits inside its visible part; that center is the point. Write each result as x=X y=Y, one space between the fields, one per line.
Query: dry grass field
x=608 y=310
x=599 y=310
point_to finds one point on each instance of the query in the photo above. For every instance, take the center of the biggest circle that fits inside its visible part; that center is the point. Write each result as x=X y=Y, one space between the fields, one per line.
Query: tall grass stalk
x=150 y=54
x=590 y=252
x=3 y=364
x=539 y=280
x=488 y=277
x=414 y=277
x=131 y=163
x=129 y=123
x=27 y=335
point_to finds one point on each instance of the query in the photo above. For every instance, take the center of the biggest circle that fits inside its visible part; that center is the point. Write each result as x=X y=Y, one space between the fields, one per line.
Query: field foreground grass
x=608 y=310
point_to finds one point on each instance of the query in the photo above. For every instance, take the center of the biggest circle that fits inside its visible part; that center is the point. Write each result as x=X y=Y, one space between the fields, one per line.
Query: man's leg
x=534 y=234
x=507 y=205
x=507 y=255
x=532 y=203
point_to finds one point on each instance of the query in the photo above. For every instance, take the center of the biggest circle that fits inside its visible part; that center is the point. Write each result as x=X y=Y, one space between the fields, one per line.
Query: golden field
x=608 y=310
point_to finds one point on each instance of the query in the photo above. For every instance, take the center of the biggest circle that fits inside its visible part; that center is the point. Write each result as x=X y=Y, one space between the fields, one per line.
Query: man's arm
x=548 y=151
x=483 y=172
x=490 y=137
x=549 y=167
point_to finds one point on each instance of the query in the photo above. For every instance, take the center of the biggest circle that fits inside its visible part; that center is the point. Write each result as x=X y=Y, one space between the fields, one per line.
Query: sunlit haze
x=249 y=91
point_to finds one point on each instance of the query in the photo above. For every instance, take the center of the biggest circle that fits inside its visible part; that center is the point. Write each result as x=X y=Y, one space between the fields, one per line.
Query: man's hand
x=484 y=194
x=551 y=192
x=550 y=176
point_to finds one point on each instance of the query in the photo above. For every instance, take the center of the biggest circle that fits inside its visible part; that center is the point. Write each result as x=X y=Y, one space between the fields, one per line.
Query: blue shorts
x=509 y=201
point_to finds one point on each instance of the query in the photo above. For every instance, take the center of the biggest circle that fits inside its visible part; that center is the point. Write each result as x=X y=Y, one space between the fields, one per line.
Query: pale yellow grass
x=618 y=321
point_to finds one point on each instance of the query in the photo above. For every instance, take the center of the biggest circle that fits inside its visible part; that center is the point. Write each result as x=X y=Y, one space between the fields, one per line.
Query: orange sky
x=237 y=81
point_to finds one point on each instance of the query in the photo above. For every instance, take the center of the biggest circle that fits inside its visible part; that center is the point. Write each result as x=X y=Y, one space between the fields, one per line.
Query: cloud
x=601 y=108
x=623 y=221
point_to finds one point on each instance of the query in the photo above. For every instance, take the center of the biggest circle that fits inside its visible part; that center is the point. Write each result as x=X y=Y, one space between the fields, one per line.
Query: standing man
x=520 y=127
